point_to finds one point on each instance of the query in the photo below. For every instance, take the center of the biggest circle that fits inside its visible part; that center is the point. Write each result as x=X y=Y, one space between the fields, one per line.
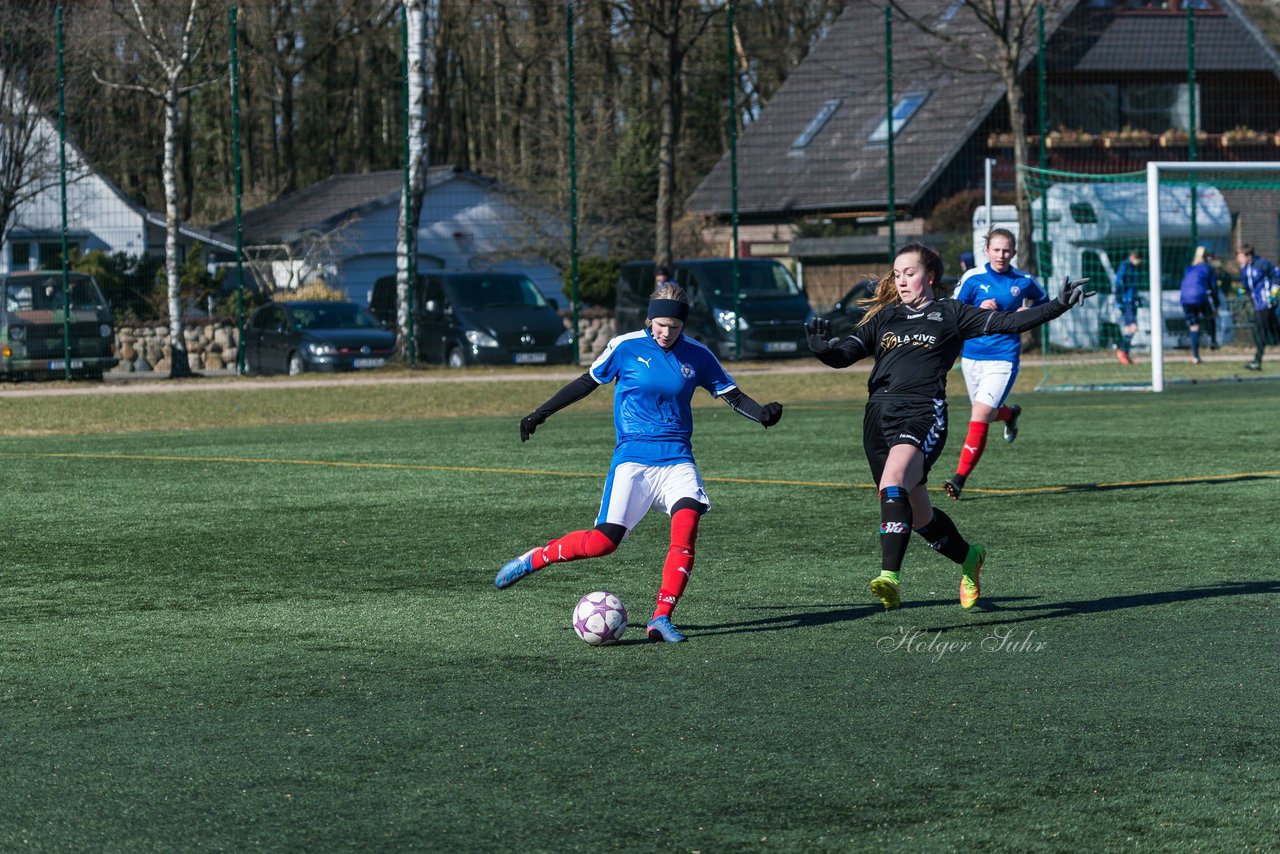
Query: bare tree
x=172 y=39
x=1007 y=42
x=28 y=140
x=676 y=26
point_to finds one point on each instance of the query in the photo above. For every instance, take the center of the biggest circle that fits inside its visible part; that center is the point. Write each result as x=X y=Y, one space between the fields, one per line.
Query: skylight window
x=902 y=113
x=824 y=113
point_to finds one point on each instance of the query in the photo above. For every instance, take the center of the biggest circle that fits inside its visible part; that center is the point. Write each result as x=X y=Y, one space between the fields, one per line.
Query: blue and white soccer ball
x=600 y=618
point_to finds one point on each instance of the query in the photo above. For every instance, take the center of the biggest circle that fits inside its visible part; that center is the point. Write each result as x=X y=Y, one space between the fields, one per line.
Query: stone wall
x=211 y=346
x=594 y=333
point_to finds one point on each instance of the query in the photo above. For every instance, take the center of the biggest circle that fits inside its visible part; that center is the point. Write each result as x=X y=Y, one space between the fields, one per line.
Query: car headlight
x=481 y=339
x=565 y=339
x=725 y=319
x=321 y=349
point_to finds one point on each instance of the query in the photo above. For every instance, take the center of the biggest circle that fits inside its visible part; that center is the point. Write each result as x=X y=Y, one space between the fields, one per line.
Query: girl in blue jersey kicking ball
x=656 y=369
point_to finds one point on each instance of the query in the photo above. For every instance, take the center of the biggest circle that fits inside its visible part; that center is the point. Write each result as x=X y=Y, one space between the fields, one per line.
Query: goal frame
x=1155 y=169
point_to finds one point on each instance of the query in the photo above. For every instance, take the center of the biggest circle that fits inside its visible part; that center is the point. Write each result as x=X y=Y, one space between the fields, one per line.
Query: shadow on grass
x=809 y=619
x=1019 y=609
x=1077 y=488
x=1079 y=607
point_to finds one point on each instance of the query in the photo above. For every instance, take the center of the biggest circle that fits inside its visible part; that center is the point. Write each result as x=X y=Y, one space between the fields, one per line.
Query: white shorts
x=989 y=381
x=633 y=488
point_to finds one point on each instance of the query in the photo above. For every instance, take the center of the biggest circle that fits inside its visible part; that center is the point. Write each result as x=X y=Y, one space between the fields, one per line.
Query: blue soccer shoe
x=514 y=570
x=660 y=629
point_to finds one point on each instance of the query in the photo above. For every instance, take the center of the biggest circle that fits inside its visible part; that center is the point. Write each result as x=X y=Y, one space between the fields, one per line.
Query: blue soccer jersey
x=651 y=411
x=1010 y=291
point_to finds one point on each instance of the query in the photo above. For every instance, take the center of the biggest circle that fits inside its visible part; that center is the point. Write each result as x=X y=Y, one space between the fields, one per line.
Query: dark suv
x=769 y=312
x=479 y=318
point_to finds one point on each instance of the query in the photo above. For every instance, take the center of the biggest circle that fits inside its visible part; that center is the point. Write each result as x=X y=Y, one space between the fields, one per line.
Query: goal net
x=1088 y=225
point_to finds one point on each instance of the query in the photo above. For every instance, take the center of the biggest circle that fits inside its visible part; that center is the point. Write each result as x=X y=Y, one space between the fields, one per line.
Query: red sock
x=1004 y=413
x=574 y=546
x=974 y=444
x=675 y=572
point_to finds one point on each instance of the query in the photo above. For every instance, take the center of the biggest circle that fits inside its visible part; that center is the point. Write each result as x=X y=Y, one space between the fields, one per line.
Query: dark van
x=32 y=329
x=772 y=309
x=479 y=318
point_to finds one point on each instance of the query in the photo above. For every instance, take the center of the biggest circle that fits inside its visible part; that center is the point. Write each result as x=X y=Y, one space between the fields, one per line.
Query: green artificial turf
x=286 y=636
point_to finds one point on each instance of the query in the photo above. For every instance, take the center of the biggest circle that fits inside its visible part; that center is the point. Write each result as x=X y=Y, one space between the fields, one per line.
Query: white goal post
x=1154 y=171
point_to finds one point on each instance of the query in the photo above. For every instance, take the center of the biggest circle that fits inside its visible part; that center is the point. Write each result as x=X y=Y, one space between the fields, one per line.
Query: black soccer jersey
x=914 y=348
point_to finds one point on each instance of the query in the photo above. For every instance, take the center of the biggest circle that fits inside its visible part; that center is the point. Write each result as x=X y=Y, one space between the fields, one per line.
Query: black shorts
x=904 y=422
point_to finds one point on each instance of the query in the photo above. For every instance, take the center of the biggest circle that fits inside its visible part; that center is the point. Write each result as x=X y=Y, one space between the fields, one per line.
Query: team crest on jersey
x=1014 y=290
x=686 y=371
x=935 y=316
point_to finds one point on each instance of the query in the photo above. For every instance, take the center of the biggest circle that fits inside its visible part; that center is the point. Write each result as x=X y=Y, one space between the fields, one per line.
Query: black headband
x=668 y=308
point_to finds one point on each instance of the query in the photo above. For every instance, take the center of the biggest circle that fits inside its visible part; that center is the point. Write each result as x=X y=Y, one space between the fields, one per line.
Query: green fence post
x=888 y=93
x=733 y=183
x=236 y=170
x=573 y=181
x=1195 y=125
x=62 y=195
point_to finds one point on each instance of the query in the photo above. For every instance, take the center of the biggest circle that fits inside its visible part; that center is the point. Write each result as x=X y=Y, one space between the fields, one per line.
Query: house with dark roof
x=819 y=150
x=344 y=231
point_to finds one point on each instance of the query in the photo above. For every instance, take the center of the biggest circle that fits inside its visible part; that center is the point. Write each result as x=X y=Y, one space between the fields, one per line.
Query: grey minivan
x=480 y=318
x=769 y=312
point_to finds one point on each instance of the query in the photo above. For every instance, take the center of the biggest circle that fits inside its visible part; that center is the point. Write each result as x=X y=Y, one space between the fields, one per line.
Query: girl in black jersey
x=915 y=335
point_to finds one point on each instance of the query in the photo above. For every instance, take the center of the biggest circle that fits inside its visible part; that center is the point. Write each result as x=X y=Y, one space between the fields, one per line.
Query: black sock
x=895 y=527
x=943 y=537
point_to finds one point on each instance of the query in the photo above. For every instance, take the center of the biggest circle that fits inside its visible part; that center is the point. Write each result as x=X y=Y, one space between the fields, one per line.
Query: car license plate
x=368 y=363
x=530 y=358
x=61 y=364
x=780 y=346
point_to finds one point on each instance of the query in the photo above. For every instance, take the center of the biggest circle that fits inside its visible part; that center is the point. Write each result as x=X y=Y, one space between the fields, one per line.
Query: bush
x=597 y=281
x=312 y=291
x=132 y=285
x=954 y=214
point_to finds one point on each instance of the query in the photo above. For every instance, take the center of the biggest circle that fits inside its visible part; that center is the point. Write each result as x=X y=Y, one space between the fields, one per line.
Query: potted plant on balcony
x=1240 y=136
x=1177 y=138
x=1069 y=138
x=1127 y=137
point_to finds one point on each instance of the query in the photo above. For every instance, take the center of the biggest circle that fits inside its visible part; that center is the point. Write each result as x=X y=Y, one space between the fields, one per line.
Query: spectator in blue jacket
x=1127 y=283
x=1259 y=278
x=1197 y=297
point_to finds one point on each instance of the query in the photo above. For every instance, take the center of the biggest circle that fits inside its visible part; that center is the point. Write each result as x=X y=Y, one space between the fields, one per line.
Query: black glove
x=1073 y=293
x=770 y=414
x=530 y=423
x=819 y=331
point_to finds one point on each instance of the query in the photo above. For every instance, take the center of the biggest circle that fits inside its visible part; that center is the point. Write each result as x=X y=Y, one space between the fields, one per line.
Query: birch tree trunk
x=411 y=203
x=179 y=363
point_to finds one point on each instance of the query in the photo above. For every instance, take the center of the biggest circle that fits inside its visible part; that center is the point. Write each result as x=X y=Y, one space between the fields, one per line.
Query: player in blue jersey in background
x=1259 y=278
x=656 y=371
x=1198 y=293
x=1126 y=293
x=990 y=363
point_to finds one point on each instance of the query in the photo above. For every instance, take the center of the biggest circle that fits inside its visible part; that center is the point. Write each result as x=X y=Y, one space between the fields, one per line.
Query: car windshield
x=754 y=279
x=44 y=293
x=502 y=290
x=336 y=315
